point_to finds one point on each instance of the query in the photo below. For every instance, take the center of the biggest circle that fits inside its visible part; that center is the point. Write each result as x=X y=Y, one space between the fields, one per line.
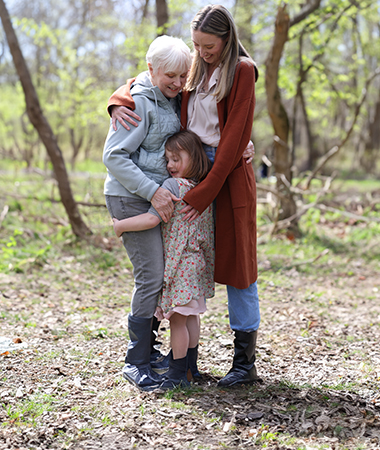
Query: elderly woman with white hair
x=136 y=170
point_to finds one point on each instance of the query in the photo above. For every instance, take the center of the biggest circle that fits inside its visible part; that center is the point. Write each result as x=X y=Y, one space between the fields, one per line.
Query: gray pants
x=145 y=252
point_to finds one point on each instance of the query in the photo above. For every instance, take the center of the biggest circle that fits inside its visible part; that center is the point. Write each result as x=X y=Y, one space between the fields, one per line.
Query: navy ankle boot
x=176 y=376
x=192 y=358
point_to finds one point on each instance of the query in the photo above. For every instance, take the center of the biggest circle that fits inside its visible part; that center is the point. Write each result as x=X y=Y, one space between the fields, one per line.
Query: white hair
x=170 y=54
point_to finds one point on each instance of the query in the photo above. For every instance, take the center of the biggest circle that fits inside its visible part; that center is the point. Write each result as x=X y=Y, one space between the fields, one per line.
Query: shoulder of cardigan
x=248 y=62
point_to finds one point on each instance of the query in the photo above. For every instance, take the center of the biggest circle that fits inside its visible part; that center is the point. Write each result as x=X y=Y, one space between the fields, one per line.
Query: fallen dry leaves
x=318 y=355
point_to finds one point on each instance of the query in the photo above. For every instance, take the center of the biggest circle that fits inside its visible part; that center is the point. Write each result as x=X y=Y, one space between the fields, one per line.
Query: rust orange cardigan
x=231 y=181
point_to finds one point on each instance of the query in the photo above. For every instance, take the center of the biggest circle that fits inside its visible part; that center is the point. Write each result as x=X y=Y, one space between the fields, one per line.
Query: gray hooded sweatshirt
x=135 y=159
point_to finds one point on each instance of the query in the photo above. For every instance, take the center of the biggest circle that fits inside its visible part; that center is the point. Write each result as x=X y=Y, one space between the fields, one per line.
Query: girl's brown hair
x=191 y=143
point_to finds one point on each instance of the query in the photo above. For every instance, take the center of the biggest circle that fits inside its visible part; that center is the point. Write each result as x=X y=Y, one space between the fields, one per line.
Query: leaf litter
x=318 y=354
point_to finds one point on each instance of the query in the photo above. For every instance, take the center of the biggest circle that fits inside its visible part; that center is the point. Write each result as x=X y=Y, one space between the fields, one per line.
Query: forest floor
x=318 y=353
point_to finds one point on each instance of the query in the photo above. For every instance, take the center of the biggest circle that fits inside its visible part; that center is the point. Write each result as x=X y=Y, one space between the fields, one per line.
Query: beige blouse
x=202 y=111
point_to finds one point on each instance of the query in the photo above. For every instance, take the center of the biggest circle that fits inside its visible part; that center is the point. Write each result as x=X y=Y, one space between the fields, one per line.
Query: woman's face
x=169 y=83
x=209 y=46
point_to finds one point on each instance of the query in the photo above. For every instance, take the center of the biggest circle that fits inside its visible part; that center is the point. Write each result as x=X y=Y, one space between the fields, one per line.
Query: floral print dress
x=189 y=260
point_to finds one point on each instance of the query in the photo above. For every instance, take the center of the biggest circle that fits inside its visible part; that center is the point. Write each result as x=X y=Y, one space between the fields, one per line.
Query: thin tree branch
x=336 y=148
x=308 y=261
x=350 y=215
x=305 y=11
x=263 y=187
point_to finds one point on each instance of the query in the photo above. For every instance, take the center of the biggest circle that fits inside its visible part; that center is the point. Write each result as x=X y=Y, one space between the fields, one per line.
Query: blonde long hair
x=218 y=21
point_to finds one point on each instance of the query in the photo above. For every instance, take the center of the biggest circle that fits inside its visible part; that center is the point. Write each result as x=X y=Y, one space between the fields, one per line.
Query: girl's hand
x=116 y=227
x=191 y=213
x=249 y=152
x=123 y=115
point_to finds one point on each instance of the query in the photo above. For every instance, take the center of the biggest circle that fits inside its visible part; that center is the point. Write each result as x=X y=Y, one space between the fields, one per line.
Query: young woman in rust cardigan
x=218 y=104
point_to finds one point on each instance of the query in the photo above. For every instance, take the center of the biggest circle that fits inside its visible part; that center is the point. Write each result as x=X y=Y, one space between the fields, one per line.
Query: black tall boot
x=243 y=367
x=176 y=376
x=192 y=358
x=137 y=369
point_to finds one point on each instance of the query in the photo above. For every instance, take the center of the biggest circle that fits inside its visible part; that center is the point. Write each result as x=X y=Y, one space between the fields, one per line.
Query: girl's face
x=169 y=83
x=209 y=46
x=177 y=163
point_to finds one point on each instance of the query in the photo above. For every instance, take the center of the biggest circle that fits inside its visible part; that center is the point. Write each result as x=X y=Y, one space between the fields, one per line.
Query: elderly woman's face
x=169 y=83
x=209 y=46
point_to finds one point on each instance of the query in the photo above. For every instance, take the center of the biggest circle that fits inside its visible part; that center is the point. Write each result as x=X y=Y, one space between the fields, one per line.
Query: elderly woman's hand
x=249 y=152
x=116 y=227
x=123 y=115
x=162 y=202
x=191 y=213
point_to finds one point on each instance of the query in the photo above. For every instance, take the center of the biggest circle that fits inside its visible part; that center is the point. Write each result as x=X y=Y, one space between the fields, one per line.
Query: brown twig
x=301 y=263
x=356 y=217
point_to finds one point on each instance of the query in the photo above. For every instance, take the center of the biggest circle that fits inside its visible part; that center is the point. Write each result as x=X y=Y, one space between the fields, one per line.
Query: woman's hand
x=249 y=152
x=162 y=202
x=123 y=115
x=191 y=213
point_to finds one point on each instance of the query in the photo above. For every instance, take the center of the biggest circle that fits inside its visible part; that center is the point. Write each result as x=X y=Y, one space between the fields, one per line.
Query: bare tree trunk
x=145 y=11
x=88 y=146
x=370 y=152
x=312 y=154
x=277 y=112
x=29 y=141
x=43 y=128
x=162 y=15
x=76 y=146
x=373 y=141
x=278 y=115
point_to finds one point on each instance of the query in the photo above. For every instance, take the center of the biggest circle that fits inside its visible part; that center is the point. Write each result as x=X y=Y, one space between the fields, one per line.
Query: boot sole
x=247 y=383
x=240 y=383
x=141 y=388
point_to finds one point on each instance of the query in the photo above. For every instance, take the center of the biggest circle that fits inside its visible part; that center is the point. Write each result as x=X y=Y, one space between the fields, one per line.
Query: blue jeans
x=243 y=304
x=243 y=308
x=210 y=152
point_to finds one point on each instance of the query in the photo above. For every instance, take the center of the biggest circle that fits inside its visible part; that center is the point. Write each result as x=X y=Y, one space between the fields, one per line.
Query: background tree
x=320 y=71
x=162 y=16
x=43 y=128
x=283 y=160
x=78 y=53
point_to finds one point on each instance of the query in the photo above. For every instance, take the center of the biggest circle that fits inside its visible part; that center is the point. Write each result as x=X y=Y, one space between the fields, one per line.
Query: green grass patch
x=28 y=412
